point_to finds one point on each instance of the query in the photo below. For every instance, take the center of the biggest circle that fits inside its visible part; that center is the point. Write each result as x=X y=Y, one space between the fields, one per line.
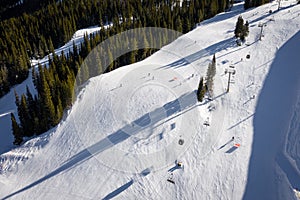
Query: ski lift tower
x=279 y=2
x=261 y=25
x=229 y=71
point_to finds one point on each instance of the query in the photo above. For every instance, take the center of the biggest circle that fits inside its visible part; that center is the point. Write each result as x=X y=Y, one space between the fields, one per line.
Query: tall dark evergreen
x=211 y=72
x=178 y=24
x=241 y=30
x=25 y=119
x=248 y=4
x=48 y=109
x=239 y=27
x=16 y=130
x=201 y=90
x=32 y=112
x=254 y=3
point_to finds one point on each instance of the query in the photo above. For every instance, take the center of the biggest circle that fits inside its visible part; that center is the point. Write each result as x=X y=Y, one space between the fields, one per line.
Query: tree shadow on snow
x=225 y=44
x=118 y=190
x=240 y=122
x=236 y=10
x=124 y=187
x=267 y=14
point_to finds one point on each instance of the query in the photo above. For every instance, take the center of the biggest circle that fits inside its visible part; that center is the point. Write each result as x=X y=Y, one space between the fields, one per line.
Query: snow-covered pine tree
x=246 y=29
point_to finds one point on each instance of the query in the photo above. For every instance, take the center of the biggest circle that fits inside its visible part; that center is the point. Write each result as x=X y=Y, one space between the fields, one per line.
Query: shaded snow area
x=140 y=133
x=275 y=153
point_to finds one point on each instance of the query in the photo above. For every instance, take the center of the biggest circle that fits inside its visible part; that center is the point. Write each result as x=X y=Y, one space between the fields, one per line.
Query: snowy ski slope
x=120 y=139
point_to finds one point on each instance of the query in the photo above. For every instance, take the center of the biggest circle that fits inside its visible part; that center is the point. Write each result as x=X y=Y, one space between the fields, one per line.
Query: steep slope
x=120 y=139
x=276 y=115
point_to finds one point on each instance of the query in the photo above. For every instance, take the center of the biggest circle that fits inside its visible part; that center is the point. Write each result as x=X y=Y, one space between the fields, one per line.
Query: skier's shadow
x=232 y=149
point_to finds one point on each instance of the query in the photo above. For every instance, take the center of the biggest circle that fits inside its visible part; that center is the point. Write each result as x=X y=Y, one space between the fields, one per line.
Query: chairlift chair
x=206 y=123
x=179 y=164
x=170 y=179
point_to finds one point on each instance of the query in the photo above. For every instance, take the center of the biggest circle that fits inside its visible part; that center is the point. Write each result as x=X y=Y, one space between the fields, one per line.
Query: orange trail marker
x=237 y=145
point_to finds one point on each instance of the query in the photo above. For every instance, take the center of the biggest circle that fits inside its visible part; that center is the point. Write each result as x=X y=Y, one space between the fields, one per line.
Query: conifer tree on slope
x=201 y=90
x=239 y=27
x=17 y=132
x=241 y=31
x=211 y=72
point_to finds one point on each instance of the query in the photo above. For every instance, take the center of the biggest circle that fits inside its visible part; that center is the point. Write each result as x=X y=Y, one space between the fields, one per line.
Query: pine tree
x=213 y=8
x=239 y=27
x=25 y=119
x=34 y=78
x=133 y=53
x=142 y=53
x=201 y=90
x=186 y=25
x=50 y=45
x=58 y=111
x=211 y=72
x=241 y=31
x=32 y=110
x=17 y=132
x=4 y=84
x=83 y=73
x=178 y=24
x=246 y=29
x=247 y=4
x=47 y=105
x=23 y=114
x=110 y=60
x=98 y=63
x=17 y=98
x=214 y=62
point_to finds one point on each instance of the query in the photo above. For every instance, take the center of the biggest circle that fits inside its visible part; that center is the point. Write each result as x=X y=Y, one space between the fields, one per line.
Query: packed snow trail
x=121 y=136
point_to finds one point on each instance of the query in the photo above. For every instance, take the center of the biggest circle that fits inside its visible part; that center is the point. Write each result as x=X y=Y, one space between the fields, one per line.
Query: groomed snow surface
x=121 y=138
